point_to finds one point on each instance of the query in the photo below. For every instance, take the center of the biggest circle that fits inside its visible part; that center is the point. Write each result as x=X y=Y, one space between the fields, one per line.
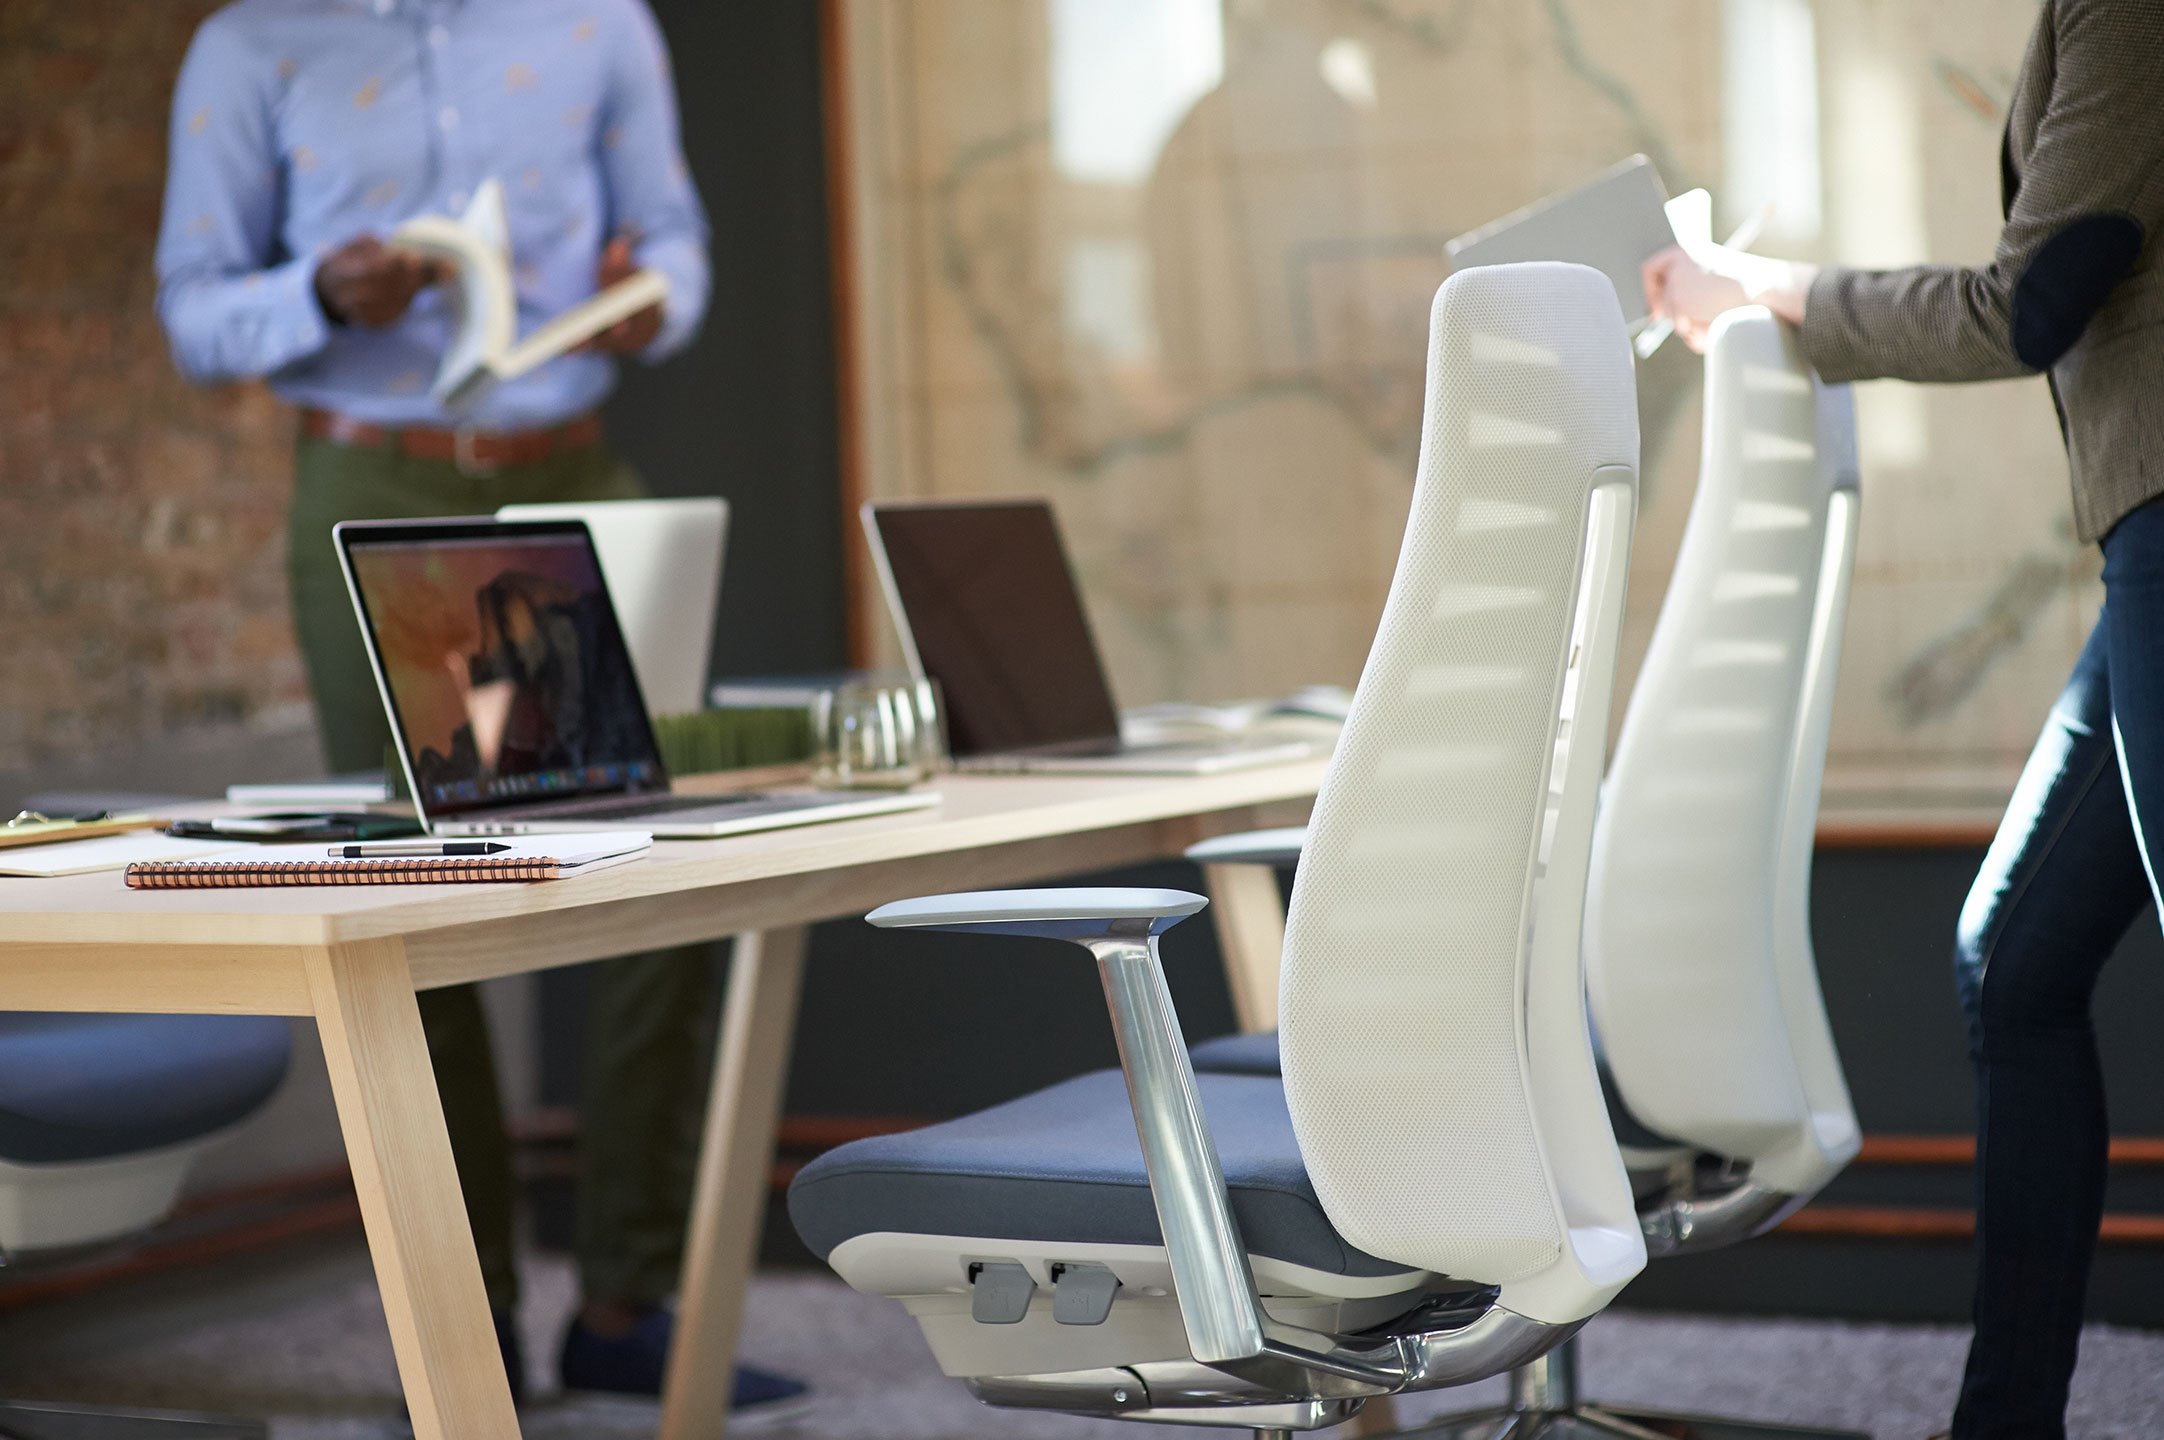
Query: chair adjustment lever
x=999 y=1293
x=1082 y=1294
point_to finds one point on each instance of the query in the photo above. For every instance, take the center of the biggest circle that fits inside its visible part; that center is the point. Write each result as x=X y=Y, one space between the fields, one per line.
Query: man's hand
x=633 y=333
x=366 y=282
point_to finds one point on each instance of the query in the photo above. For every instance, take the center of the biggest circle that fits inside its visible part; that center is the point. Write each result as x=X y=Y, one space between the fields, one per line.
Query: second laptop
x=986 y=604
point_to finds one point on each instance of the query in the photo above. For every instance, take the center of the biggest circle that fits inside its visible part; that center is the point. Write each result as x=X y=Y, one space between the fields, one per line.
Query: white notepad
x=351 y=792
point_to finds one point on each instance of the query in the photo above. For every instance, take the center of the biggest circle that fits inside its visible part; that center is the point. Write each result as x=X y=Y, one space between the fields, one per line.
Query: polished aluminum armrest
x=1254 y=847
x=1220 y=1308
x=1072 y=914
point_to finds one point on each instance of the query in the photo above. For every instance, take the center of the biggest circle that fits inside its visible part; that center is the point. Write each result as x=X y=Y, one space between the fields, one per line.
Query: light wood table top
x=976 y=813
x=353 y=958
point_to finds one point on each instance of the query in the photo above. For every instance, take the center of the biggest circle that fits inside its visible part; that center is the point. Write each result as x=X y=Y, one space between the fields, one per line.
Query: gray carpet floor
x=301 y=1340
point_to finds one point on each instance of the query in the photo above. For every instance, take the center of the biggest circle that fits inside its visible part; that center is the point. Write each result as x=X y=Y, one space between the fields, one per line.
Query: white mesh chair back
x=1436 y=1056
x=1703 y=986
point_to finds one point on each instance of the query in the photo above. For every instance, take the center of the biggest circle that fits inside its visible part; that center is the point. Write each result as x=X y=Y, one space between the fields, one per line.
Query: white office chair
x=1431 y=1194
x=1727 y=1093
x=661 y=560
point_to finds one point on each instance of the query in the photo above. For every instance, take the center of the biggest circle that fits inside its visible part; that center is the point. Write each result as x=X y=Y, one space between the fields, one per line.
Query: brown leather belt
x=473 y=451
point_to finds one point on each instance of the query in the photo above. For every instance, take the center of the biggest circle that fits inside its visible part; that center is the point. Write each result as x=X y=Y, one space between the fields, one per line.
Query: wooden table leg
x=410 y=1201
x=1249 y=912
x=736 y=1157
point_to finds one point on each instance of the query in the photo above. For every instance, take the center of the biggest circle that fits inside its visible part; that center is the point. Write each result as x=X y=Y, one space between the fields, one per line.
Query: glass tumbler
x=870 y=735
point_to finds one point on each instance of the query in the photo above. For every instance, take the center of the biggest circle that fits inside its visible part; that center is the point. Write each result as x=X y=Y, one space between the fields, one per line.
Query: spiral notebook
x=538 y=857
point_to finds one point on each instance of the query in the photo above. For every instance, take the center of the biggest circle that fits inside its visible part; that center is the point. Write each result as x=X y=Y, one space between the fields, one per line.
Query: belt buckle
x=469 y=464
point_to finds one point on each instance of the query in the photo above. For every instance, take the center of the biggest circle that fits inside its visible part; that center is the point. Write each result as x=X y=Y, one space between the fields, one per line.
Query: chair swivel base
x=28 y=1420
x=1544 y=1405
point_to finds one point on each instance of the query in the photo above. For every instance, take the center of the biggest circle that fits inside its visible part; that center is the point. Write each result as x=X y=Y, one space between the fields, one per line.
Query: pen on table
x=1651 y=338
x=430 y=850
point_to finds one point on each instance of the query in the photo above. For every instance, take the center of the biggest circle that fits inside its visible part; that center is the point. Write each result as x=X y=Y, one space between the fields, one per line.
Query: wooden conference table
x=353 y=958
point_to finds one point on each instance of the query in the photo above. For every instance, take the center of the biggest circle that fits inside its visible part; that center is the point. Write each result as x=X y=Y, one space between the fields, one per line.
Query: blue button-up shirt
x=299 y=125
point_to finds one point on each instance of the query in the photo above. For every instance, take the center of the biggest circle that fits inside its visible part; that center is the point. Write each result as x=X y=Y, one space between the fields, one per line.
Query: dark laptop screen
x=997 y=620
x=506 y=671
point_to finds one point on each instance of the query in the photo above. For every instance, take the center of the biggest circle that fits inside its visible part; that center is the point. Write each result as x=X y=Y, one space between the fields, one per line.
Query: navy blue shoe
x=634 y=1363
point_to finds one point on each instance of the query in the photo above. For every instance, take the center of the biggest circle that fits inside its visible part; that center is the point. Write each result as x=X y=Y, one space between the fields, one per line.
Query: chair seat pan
x=1239 y=1054
x=98 y=1087
x=1063 y=1165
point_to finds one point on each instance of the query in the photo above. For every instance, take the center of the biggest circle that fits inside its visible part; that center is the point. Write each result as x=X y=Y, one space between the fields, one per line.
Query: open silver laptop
x=986 y=604
x=511 y=693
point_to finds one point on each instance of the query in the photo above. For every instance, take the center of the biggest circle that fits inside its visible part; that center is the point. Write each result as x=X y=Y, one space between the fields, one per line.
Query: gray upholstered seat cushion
x=1239 y=1054
x=95 y=1087
x=1064 y=1165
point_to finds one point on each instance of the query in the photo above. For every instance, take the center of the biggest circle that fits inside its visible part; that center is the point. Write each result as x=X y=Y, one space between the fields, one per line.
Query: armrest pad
x=1055 y=914
x=1255 y=847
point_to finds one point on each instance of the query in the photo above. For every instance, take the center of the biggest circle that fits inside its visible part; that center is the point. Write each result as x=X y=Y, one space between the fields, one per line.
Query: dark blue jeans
x=2067 y=875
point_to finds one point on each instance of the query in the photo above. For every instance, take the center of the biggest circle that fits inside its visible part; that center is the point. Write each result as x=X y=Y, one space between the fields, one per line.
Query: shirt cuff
x=301 y=327
x=684 y=308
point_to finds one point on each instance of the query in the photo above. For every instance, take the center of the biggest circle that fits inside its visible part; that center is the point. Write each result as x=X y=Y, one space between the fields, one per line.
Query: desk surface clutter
x=976 y=813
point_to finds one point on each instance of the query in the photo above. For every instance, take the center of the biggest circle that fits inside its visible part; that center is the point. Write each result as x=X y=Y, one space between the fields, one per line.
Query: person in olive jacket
x=2075 y=292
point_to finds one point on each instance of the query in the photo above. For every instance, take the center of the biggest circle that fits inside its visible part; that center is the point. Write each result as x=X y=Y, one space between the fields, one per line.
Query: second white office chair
x=1704 y=989
x=1727 y=1092
x=1431 y=1194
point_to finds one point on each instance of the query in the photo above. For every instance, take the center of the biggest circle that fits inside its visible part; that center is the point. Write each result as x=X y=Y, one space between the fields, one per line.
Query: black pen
x=397 y=852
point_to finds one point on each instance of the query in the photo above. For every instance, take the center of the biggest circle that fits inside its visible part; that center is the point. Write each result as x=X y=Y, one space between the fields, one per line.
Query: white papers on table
x=112 y=852
x=1315 y=713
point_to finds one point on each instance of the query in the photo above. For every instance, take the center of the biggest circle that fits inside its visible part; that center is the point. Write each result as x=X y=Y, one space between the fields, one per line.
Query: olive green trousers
x=643 y=1083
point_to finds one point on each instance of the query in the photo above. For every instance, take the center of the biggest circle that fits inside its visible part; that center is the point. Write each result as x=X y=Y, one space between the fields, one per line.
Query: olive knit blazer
x=2076 y=287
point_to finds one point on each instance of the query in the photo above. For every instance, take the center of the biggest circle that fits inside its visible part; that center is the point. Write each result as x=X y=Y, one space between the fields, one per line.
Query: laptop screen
x=986 y=596
x=501 y=662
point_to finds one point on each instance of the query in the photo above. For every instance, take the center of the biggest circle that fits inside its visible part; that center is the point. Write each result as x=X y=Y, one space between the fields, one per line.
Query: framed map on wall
x=1168 y=262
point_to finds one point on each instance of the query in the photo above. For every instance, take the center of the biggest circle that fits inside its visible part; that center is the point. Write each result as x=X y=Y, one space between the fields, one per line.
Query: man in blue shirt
x=303 y=133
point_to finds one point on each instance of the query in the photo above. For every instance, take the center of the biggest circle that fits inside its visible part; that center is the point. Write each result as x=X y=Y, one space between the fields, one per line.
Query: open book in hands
x=485 y=348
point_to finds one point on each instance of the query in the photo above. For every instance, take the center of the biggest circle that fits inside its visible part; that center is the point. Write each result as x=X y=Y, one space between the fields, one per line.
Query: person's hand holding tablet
x=1690 y=289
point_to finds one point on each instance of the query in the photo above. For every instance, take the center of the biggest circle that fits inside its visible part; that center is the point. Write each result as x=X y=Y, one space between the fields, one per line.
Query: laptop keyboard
x=632 y=807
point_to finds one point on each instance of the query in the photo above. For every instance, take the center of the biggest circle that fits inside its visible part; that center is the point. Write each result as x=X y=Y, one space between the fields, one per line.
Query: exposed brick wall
x=142 y=587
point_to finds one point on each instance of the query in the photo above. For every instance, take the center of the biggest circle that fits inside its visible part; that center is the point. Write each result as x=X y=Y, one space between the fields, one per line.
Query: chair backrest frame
x=1436 y=1054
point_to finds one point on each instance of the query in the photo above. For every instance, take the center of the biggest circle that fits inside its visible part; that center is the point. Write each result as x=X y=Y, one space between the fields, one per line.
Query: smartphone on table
x=297 y=825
